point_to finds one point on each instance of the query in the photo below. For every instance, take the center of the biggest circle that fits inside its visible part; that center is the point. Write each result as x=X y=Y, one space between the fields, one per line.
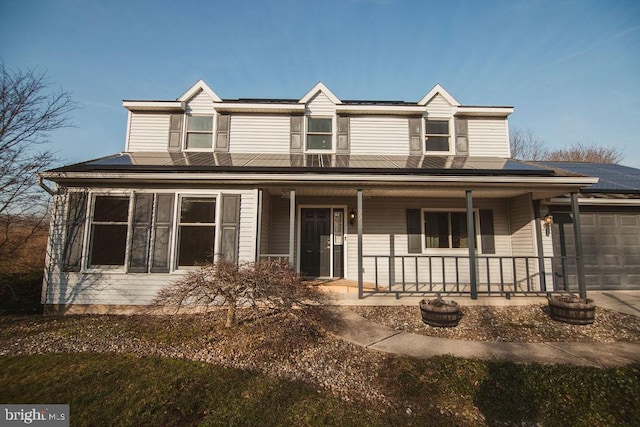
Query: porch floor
x=345 y=292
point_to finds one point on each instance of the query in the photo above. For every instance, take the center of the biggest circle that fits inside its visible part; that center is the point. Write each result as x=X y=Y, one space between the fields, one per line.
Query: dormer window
x=199 y=132
x=437 y=136
x=319 y=133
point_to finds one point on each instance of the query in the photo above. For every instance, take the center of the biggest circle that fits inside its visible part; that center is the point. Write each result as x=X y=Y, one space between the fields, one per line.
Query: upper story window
x=319 y=133
x=199 y=132
x=437 y=136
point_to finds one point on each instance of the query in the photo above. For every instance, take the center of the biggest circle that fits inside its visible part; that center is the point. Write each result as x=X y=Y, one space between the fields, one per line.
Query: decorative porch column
x=292 y=227
x=259 y=226
x=359 y=220
x=577 y=235
x=471 y=232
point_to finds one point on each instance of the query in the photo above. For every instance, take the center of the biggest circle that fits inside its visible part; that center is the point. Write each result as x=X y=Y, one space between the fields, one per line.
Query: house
x=402 y=197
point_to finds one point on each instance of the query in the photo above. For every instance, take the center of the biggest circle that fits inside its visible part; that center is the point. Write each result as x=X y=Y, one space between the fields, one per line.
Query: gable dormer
x=319 y=130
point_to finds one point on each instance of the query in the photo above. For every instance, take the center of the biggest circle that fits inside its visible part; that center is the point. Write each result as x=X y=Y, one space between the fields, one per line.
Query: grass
x=120 y=389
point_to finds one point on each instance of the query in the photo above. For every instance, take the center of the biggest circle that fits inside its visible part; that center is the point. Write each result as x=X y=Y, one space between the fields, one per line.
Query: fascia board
x=594 y=201
x=327 y=178
x=380 y=109
x=154 y=105
x=437 y=89
x=258 y=108
x=319 y=87
x=484 y=111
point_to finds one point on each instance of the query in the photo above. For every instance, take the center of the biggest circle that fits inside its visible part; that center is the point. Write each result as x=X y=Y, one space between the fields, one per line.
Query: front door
x=315 y=259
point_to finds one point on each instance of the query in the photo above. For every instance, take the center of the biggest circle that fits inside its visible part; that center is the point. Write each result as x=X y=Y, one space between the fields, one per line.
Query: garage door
x=611 y=245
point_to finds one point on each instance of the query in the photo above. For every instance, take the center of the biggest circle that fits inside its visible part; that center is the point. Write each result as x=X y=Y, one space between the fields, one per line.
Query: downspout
x=46 y=188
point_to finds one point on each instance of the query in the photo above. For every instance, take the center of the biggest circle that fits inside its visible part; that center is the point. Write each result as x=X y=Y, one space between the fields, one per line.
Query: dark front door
x=315 y=259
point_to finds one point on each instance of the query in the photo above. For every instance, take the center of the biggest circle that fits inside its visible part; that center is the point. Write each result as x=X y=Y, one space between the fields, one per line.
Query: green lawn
x=120 y=389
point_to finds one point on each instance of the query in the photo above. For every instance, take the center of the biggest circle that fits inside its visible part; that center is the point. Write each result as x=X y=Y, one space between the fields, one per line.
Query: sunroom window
x=196 y=230
x=319 y=133
x=109 y=231
x=437 y=135
x=199 y=132
x=446 y=230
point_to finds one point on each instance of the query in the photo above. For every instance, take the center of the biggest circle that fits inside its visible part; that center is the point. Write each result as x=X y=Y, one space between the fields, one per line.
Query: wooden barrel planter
x=440 y=313
x=571 y=309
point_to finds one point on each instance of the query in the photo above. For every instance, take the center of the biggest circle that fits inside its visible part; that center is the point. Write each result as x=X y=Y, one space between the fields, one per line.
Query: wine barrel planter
x=571 y=309
x=440 y=313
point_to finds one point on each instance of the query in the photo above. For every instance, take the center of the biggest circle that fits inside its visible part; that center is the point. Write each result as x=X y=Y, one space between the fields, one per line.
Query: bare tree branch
x=30 y=111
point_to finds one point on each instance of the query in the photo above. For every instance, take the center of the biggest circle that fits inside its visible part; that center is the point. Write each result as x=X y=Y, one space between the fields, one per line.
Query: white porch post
x=471 y=232
x=292 y=227
x=359 y=219
x=259 y=226
x=577 y=235
x=539 y=244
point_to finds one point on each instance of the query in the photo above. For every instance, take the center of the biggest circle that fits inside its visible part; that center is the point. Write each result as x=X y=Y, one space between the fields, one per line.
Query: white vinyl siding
x=148 y=131
x=119 y=288
x=201 y=103
x=379 y=135
x=523 y=242
x=320 y=105
x=438 y=108
x=385 y=220
x=259 y=134
x=488 y=137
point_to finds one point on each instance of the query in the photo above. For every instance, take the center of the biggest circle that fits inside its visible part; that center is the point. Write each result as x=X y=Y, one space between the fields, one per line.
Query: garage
x=611 y=246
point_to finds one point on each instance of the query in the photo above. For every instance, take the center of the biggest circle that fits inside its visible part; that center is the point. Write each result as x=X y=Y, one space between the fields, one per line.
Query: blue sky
x=571 y=69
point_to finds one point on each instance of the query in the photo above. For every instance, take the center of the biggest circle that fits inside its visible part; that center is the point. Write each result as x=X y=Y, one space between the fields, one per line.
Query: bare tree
x=580 y=152
x=525 y=145
x=264 y=284
x=30 y=111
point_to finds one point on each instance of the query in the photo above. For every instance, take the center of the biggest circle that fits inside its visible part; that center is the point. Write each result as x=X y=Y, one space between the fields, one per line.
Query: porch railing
x=449 y=274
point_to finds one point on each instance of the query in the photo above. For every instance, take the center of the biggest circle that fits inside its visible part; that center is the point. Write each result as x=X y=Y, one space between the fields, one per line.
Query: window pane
x=198 y=210
x=108 y=243
x=438 y=127
x=318 y=142
x=437 y=143
x=459 y=235
x=199 y=140
x=319 y=125
x=195 y=245
x=436 y=226
x=199 y=124
x=111 y=209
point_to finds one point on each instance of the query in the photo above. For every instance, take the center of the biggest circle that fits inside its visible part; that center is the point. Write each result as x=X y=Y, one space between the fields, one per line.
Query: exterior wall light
x=352 y=217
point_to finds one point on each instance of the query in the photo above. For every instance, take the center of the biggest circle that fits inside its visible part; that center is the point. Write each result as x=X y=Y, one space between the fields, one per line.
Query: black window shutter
x=75 y=219
x=141 y=232
x=222 y=133
x=163 y=218
x=296 y=134
x=487 y=231
x=230 y=227
x=343 y=135
x=415 y=136
x=175 y=132
x=462 y=136
x=414 y=233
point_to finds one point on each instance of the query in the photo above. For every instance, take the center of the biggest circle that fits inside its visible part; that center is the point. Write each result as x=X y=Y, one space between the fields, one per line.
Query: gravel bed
x=292 y=347
x=528 y=323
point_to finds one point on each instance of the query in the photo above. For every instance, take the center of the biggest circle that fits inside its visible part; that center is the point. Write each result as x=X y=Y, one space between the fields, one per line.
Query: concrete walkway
x=360 y=331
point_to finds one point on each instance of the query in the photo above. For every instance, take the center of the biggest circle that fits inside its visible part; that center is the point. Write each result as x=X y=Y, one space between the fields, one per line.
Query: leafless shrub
x=264 y=284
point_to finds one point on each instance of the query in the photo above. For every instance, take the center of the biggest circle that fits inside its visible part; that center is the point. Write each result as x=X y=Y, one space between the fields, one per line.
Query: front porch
x=492 y=241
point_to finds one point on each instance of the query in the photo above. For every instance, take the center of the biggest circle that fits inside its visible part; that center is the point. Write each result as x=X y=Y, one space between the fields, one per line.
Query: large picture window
x=109 y=225
x=446 y=230
x=319 y=134
x=199 y=132
x=437 y=135
x=196 y=230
